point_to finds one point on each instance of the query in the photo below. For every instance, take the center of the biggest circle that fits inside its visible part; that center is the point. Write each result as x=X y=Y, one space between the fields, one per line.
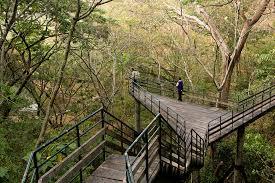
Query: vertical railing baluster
x=160 y=129
x=171 y=141
x=191 y=149
x=146 y=157
x=196 y=148
x=35 y=163
x=79 y=157
x=102 y=126
x=178 y=154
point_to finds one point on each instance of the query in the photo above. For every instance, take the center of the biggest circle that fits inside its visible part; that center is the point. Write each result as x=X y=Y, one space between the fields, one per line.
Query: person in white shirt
x=135 y=75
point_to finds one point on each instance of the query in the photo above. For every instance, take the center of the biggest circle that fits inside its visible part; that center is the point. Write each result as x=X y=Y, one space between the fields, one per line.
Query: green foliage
x=259 y=158
x=257 y=148
x=3 y=173
x=8 y=93
x=16 y=140
x=207 y=172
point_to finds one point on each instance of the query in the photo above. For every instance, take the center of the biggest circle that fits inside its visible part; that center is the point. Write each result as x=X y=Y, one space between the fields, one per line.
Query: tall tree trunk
x=60 y=75
x=224 y=93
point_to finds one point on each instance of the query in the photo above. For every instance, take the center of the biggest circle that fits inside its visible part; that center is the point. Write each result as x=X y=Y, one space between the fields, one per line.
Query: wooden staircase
x=89 y=146
x=105 y=148
x=112 y=170
x=161 y=151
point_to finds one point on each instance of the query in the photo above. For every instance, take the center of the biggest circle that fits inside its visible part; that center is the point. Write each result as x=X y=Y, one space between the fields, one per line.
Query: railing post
x=79 y=157
x=36 y=166
x=160 y=129
x=178 y=152
x=146 y=157
x=171 y=147
x=102 y=126
x=196 y=148
x=191 y=149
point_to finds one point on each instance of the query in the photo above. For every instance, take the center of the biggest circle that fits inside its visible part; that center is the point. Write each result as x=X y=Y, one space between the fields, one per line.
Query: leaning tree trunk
x=60 y=77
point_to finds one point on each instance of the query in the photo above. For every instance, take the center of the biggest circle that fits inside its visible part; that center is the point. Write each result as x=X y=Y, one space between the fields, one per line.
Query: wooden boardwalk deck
x=196 y=116
x=213 y=121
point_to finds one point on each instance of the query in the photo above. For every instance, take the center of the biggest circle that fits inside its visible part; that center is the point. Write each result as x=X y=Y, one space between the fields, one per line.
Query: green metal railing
x=154 y=105
x=159 y=145
x=52 y=152
x=168 y=88
x=247 y=110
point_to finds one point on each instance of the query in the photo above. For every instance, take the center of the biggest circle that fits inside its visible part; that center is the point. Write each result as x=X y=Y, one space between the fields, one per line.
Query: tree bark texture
x=60 y=74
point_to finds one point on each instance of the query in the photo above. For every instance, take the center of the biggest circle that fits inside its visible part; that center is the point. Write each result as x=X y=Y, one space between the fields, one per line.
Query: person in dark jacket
x=180 y=89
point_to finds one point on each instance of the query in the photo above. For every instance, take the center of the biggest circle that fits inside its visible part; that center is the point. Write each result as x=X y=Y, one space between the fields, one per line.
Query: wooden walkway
x=172 y=144
x=196 y=116
x=209 y=122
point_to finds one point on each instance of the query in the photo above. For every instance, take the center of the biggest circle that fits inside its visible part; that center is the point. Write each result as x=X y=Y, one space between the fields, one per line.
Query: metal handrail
x=247 y=105
x=32 y=164
x=159 y=106
x=157 y=82
x=144 y=135
x=178 y=125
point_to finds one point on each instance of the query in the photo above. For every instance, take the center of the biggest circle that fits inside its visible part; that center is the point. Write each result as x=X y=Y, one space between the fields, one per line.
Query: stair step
x=111 y=170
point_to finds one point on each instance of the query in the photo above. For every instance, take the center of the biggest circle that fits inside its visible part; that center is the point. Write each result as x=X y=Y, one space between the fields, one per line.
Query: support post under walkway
x=238 y=177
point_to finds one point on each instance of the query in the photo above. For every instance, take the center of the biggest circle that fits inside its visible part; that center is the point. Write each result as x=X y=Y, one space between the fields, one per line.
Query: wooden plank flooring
x=112 y=170
x=197 y=116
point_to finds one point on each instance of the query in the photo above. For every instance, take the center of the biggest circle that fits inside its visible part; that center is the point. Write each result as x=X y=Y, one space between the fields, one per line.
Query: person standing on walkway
x=180 y=89
x=135 y=75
